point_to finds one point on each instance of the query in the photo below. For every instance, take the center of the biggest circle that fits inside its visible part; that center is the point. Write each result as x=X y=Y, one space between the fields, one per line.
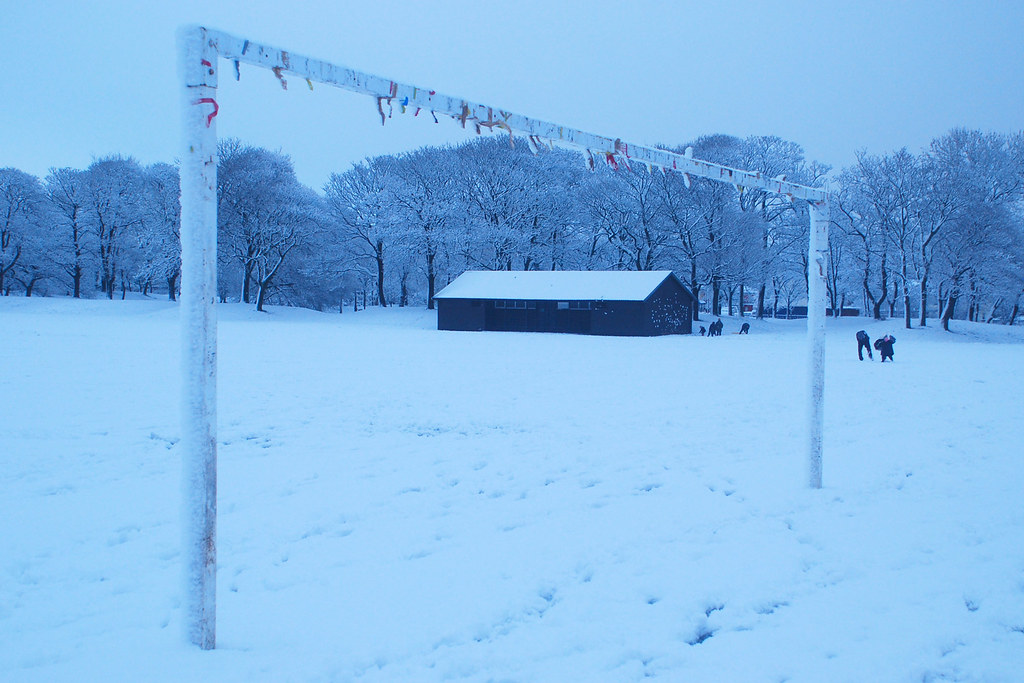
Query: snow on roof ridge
x=551 y=285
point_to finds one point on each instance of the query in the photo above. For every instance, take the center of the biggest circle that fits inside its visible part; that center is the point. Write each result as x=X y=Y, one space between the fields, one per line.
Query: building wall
x=620 y=318
x=669 y=309
x=538 y=316
x=460 y=314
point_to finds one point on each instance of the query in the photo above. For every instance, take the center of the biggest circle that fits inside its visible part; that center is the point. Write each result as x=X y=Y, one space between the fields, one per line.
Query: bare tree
x=264 y=214
x=979 y=235
x=22 y=207
x=627 y=208
x=115 y=189
x=426 y=197
x=890 y=187
x=857 y=218
x=162 y=220
x=941 y=197
x=361 y=202
x=494 y=184
x=67 y=189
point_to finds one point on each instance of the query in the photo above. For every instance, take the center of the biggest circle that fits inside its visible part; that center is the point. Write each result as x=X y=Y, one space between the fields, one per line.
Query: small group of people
x=882 y=344
x=716 y=329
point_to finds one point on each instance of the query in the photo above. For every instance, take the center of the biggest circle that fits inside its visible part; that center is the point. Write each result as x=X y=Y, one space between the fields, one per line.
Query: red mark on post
x=209 y=100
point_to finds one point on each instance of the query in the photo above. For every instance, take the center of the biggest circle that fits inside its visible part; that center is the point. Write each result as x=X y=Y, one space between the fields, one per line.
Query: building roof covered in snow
x=552 y=285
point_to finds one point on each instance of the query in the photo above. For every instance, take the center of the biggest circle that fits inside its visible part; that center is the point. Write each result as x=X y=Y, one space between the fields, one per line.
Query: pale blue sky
x=83 y=80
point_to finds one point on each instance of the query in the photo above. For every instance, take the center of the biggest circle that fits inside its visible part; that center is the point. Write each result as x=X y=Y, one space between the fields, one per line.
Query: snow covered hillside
x=402 y=504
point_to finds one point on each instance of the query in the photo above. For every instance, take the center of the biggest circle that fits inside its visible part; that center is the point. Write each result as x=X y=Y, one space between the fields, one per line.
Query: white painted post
x=816 y=301
x=198 y=72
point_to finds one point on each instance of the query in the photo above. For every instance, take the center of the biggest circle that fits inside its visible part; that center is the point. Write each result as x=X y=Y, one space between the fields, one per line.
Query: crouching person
x=863 y=344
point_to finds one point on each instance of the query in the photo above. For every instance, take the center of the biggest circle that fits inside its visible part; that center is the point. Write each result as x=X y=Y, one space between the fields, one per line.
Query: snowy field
x=402 y=504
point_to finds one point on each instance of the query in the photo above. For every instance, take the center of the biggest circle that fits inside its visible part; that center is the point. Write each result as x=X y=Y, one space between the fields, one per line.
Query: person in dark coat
x=885 y=346
x=702 y=331
x=716 y=328
x=863 y=343
x=745 y=328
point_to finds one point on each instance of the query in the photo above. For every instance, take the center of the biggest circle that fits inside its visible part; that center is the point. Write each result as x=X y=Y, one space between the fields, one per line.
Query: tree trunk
x=741 y=301
x=885 y=291
x=924 y=301
x=695 y=289
x=948 y=313
x=246 y=283
x=906 y=296
x=992 y=311
x=172 y=286
x=76 y=277
x=380 y=274
x=895 y=296
x=760 y=301
x=431 y=278
x=260 y=294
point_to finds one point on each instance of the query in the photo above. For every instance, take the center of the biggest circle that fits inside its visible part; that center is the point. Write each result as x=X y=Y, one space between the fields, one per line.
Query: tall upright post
x=198 y=72
x=817 y=264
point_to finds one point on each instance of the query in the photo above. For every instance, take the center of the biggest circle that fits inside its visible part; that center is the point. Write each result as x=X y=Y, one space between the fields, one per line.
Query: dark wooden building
x=625 y=303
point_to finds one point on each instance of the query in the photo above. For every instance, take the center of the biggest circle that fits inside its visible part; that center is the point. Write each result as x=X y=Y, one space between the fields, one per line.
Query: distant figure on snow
x=703 y=330
x=885 y=346
x=745 y=328
x=863 y=343
x=716 y=329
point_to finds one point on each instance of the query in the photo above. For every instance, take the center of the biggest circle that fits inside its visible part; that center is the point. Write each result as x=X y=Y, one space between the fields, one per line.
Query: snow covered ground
x=402 y=504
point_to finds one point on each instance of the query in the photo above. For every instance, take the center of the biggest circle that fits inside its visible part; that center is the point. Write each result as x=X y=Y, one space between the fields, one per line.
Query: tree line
x=935 y=234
